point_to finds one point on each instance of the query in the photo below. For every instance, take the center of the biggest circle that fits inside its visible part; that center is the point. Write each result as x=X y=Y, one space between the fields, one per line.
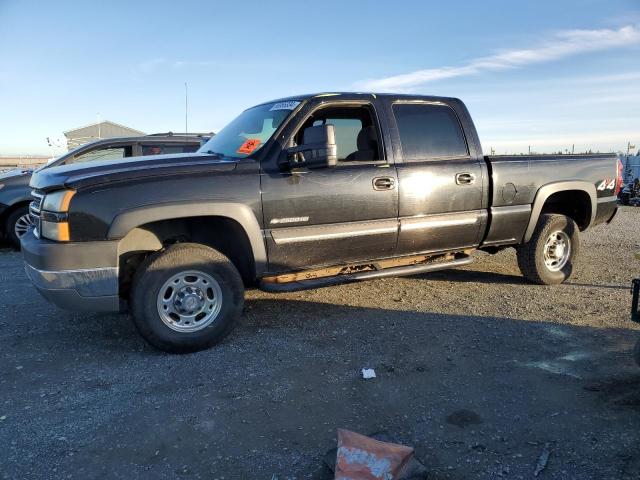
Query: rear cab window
x=429 y=130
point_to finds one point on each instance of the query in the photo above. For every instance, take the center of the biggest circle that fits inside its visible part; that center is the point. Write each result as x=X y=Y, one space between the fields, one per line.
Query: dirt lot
x=476 y=369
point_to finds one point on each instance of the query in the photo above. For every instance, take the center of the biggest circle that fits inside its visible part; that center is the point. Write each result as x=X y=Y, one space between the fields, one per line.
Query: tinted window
x=114 y=153
x=151 y=149
x=428 y=131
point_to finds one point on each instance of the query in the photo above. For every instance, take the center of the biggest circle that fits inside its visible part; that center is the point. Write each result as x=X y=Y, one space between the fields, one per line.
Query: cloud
x=149 y=66
x=563 y=44
x=190 y=63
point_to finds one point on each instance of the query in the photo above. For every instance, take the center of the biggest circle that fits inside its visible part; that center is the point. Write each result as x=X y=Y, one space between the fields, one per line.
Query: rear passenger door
x=440 y=182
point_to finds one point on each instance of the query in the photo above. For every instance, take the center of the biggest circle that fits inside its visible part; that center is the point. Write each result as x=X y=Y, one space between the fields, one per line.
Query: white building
x=96 y=131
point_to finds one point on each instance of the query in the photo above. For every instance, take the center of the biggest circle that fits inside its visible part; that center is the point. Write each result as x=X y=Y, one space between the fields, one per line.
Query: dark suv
x=15 y=193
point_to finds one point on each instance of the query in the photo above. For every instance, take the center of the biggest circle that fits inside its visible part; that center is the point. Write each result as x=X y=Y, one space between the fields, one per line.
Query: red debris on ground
x=363 y=458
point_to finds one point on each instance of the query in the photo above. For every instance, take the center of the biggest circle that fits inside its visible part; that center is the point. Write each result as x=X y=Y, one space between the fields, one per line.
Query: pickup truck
x=15 y=194
x=303 y=192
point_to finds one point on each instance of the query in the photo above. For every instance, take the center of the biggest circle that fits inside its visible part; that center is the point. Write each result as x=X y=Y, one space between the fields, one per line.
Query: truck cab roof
x=361 y=96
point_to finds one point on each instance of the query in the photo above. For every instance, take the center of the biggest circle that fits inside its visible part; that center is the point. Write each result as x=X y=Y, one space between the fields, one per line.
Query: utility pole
x=573 y=148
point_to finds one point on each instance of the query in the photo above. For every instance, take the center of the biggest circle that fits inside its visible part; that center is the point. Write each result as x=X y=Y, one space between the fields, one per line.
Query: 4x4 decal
x=606 y=184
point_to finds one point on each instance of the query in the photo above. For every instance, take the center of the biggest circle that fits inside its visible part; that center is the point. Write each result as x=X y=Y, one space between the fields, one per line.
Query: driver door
x=332 y=215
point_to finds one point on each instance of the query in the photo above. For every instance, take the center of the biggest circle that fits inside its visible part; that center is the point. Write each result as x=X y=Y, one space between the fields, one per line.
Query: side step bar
x=365 y=275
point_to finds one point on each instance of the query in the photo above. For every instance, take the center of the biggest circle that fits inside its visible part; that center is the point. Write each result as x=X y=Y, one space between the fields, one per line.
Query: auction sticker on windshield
x=249 y=145
x=284 y=105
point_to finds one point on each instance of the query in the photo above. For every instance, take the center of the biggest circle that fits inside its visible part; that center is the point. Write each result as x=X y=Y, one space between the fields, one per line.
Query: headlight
x=58 y=201
x=54 y=221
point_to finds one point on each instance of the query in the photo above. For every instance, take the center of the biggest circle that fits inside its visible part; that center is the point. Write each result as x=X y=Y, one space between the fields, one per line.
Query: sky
x=545 y=75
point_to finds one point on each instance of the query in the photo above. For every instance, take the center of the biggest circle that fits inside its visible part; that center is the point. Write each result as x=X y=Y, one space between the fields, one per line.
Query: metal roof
x=105 y=129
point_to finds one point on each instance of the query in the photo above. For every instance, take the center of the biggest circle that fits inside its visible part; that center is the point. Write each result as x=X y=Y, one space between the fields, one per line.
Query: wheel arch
x=231 y=228
x=575 y=199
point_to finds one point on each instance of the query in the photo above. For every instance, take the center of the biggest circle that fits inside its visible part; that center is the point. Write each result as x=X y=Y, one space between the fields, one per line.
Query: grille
x=34 y=211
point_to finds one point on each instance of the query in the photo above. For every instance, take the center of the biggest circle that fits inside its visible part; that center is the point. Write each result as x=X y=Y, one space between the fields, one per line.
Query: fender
x=11 y=195
x=126 y=221
x=549 y=189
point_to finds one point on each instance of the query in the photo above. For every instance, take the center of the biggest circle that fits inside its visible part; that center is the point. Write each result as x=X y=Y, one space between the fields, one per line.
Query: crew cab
x=303 y=192
x=15 y=194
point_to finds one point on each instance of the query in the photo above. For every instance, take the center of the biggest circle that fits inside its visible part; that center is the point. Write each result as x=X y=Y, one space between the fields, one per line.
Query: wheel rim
x=189 y=301
x=557 y=250
x=22 y=225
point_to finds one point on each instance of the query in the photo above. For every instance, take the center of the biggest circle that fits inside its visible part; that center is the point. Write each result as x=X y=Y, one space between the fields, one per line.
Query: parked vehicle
x=15 y=193
x=297 y=193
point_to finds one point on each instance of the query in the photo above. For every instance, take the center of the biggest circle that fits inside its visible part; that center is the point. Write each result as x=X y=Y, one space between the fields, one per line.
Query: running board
x=364 y=275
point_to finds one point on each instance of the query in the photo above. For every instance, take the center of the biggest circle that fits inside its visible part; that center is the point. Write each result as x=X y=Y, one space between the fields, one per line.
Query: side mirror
x=318 y=148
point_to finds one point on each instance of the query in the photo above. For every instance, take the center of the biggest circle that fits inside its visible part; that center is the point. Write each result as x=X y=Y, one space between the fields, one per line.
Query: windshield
x=249 y=131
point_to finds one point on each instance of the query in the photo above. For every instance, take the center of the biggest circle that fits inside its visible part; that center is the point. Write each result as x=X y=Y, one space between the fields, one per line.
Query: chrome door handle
x=465 y=178
x=384 y=183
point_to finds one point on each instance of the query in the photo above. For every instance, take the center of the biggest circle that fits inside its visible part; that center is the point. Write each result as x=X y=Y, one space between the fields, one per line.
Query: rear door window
x=156 y=149
x=429 y=131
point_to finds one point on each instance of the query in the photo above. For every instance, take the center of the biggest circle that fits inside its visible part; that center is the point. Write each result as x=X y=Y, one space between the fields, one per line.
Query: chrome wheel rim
x=557 y=250
x=22 y=225
x=189 y=301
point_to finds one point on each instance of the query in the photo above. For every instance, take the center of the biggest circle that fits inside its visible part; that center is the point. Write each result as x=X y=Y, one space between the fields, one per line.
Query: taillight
x=619 y=180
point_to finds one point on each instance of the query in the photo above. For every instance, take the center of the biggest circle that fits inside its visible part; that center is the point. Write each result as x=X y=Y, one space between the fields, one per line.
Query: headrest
x=367 y=138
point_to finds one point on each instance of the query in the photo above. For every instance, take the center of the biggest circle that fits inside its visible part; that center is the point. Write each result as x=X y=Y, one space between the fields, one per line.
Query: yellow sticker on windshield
x=249 y=145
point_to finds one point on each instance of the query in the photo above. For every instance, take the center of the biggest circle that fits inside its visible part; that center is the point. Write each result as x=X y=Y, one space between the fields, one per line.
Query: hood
x=106 y=171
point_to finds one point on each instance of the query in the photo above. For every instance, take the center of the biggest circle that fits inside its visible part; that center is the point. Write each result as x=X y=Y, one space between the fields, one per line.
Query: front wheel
x=549 y=256
x=186 y=298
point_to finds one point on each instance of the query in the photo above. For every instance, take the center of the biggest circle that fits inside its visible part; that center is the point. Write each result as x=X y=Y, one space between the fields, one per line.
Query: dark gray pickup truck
x=297 y=193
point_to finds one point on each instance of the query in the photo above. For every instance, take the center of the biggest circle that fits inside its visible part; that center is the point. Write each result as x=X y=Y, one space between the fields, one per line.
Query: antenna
x=186 y=108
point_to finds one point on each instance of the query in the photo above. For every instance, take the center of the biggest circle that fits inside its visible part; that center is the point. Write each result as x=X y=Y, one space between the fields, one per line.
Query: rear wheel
x=548 y=258
x=186 y=298
x=17 y=224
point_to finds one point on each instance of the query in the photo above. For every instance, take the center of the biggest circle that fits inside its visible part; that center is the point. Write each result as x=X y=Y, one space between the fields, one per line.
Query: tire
x=186 y=298
x=17 y=220
x=543 y=263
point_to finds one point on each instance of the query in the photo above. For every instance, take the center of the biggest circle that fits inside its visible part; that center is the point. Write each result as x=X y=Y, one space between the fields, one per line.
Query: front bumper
x=80 y=276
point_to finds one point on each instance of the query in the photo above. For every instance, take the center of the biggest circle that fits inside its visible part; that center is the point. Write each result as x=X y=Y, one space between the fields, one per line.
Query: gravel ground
x=476 y=369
